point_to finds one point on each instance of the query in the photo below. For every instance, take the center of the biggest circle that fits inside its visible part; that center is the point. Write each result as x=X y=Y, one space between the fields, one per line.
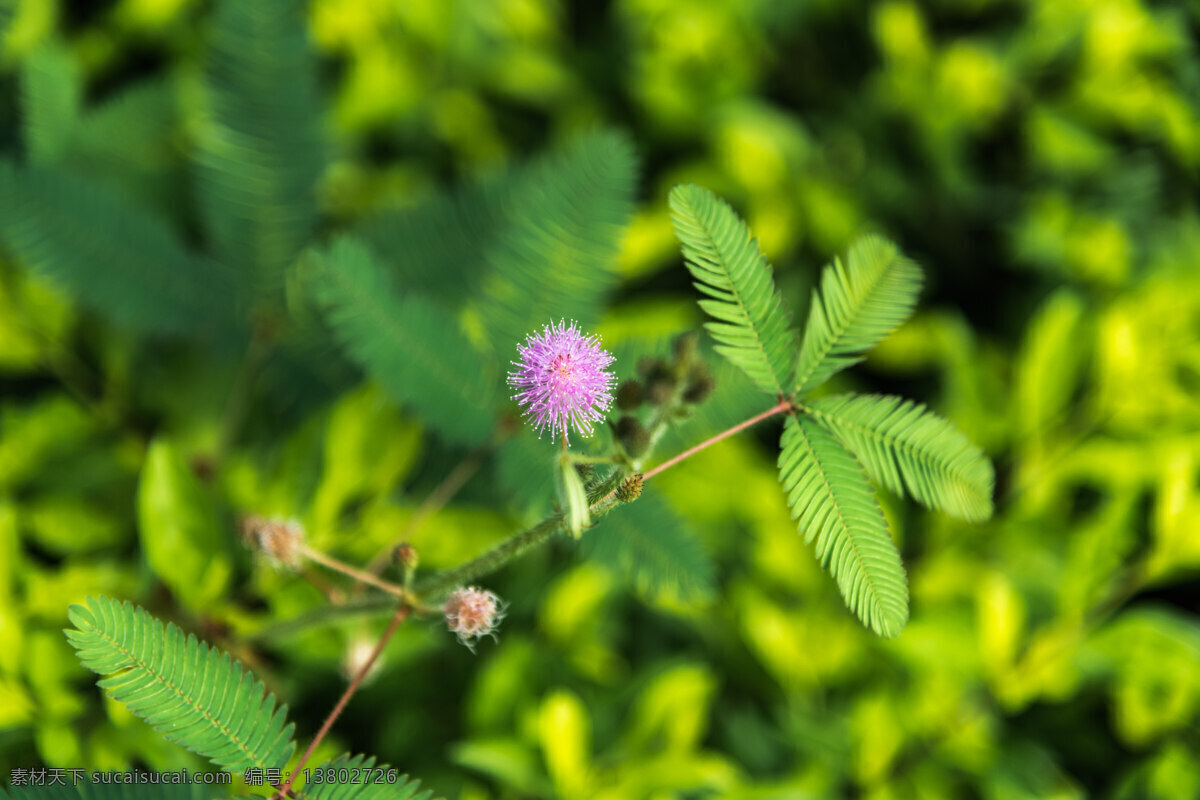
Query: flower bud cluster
x=673 y=385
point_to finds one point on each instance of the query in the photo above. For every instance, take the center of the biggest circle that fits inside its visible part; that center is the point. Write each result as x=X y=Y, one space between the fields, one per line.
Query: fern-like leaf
x=409 y=344
x=196 y=696
x=120 y=259
x=51 y=98
x=860 y=303
x=439 y=246
x=359 y=778
x=751 y=329
x=260 y=150
x=908 y=448
x=556 y=253
x=833 y=503
x=646 y=544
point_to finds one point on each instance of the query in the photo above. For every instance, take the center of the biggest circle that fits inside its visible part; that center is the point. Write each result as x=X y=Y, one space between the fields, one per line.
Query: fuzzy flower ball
x=472 y=613
x=562 y=380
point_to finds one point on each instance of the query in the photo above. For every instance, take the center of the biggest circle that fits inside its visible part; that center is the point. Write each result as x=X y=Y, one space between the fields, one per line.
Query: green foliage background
x=1039 y=160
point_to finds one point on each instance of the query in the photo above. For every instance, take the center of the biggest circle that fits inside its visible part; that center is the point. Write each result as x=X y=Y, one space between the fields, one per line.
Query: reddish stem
x=783 y=405
x=397 y=618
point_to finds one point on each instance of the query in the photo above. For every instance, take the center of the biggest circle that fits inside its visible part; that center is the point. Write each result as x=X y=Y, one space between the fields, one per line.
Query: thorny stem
x=401 y=614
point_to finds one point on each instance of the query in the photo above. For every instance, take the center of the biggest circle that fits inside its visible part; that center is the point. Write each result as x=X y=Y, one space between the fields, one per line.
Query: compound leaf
x=835 y=508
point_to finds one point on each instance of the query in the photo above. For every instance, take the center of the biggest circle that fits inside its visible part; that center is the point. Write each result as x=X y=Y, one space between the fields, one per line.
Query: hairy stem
x=600 y=502
x=397 y=618
x=322 y=615
x=354 y=572
x=492 y=560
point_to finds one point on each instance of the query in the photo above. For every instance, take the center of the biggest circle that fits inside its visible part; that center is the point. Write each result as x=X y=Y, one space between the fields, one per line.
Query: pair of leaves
x=828 y=443
x=202 y=699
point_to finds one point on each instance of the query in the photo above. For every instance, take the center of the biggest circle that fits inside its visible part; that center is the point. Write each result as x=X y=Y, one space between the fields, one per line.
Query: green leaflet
x=51 y=98
x=910 y=449
x=564 y=220
x=752 y=330
x=409 y=344
x=260 y=149
x=837 y=511
x=572 y=497
x=359 y=778
x=860 y=303
x=195 y=695
x=118 y=258
x=646 y=544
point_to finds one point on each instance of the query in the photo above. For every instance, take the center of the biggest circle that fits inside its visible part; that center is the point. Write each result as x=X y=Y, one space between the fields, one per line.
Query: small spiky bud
x=660 y=385
x=280 y=540
x=585 y=471
x=472 y=613
x=630 y=395
x=633 y=436
x=630 y=488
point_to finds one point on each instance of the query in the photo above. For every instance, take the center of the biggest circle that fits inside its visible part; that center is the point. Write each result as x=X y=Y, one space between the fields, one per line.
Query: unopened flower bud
x=472 y=613
x=699 y=386
x=630 y=488
x=406 y=556
x=280 y=540
x=648 y=365
x=585 y=471
x=633 y=436
x=630 y=395
x=685 y=346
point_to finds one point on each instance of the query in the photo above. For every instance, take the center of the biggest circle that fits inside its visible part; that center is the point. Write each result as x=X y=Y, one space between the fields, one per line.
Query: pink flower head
x=472 y=614
x=562 y=379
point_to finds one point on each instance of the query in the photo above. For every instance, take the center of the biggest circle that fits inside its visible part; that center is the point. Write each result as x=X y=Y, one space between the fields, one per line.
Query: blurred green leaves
x=180 y=531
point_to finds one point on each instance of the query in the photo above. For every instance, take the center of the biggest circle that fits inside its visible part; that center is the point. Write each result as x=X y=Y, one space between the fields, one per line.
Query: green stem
x=492 y=560
x=323 y=615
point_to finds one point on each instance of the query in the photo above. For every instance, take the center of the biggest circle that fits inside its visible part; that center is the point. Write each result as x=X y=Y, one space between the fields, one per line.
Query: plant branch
x=779 y=408
x=354 y=572
x=321 y=615
x=491 y=560
x=397 y=618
